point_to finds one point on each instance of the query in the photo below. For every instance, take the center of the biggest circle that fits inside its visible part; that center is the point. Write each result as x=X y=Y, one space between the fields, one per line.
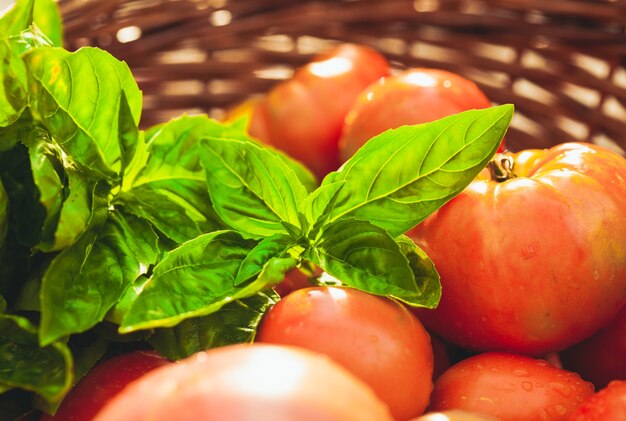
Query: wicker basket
x=561 y=62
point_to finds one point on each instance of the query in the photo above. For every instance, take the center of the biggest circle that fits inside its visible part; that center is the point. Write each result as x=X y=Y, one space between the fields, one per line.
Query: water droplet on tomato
x=520 y=373
x=527 y=386
x=560 y=410
x=561 y=389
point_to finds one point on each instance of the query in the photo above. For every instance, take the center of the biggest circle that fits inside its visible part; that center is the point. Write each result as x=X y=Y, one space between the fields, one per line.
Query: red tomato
x=510 y=387
x=294 y=279
x=412 y=97
x=303 y=116
x=103 y=382
x=536 y=263
x=248 y=383
x=375 y=338
x=455 y=415
x=608 y=404
x=602 y=357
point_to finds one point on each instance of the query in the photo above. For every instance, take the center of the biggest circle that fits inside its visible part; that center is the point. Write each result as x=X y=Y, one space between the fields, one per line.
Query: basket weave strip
x=561 y=62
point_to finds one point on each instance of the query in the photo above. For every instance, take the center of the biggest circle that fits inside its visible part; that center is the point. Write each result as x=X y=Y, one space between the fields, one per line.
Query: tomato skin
x=510 y=387
x=375 y=338
x=248 y=382
x=103 y=383
x=303 y=115
x=414 y=96
x=455 y=415
x=600 y=358
x=536 y=263
x=607 y=404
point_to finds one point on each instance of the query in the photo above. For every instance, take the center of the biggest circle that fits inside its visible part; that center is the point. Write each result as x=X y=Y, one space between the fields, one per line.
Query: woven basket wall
x=561 y=62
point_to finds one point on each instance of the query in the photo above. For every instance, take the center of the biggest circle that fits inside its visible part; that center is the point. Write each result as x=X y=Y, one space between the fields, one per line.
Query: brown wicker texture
x=561 y=62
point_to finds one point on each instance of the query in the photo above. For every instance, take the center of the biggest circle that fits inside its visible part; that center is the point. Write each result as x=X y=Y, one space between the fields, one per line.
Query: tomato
x=608 y=404
x=103 y=382
x=602 y=357
x=375 y=338
x=303 y=115
x=531 y=264
x=248 y=383
x=510 y=387
x=455 y=415
x=414 y=96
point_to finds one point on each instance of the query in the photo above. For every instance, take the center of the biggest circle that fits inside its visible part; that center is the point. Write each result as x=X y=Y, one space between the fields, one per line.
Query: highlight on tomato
x=248 y=382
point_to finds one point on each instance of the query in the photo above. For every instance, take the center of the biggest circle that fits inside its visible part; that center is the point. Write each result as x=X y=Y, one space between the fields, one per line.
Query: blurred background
x=561 y=62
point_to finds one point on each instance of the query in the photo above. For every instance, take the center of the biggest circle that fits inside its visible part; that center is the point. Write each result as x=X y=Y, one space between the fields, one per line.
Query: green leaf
x=202 y=127
x=87 y=279
x=17 y=19
x=424 y=272
x=13 y=82
x=25 y=211
x=275 y=246
x=252 y=189
x=4 y=216
x=319 y=204
x=48 y=18
x=46 y=371
x=364 y=256
x=234 y=323
x=47 y=171
x=166 y=184
x=195 y=279
x=83 y=99
x=403 y=175
x=178 y=208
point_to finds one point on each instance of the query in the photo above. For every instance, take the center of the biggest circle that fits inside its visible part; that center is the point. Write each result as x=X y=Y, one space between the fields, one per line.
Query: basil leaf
x=193 y=280
x=275 y=246
x=252 y=189
x=44 y=164
x=18 y=18
x=82 y=99
x=87 y=279
x=319 y=204
x=234 y=323
x=25 y=211
x=179 y=208
x=167 y=186
x=364 y=256
x=4 y=216
x=46 y=371
x=403 y=175
x=47 y=17
x=13 y=82
x=424 y=272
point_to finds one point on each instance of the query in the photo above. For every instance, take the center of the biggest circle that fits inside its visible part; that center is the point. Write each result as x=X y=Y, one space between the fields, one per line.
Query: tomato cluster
x=532 y=260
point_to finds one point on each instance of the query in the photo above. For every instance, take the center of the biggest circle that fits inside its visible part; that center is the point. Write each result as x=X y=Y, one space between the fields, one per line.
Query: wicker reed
x=561 y=62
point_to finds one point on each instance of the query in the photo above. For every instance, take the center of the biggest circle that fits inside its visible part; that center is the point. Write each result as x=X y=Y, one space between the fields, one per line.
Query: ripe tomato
x=455 y=415
x=536 y=263
x=103 y=382
x=414 y=96
x=602 y=357
x=303 y=116
x=375 y=338
x=608 y=404
x=248 y=383
x=510 y=387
